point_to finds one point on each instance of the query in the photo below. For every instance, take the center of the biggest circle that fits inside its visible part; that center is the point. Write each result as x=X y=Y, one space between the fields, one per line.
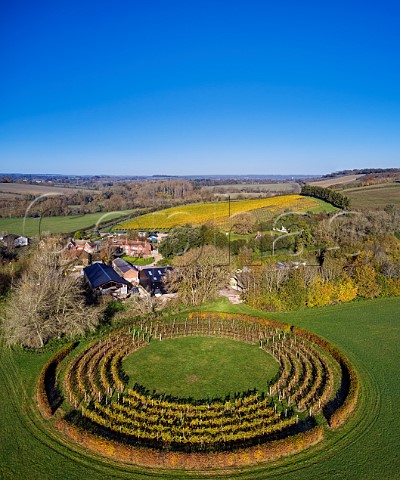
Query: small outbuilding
x=126 y=270
x=11 y=240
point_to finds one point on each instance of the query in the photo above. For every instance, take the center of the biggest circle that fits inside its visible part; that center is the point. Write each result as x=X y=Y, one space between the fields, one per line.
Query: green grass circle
x=200 y=367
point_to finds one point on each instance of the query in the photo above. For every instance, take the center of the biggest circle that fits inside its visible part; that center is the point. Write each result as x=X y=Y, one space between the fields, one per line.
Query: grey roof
x=123 y=265
x=100 y=274
x=10 y=236
x=155 y=274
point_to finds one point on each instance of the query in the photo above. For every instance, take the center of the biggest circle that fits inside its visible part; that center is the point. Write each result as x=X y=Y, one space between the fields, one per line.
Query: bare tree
x=139 y=305
x=198 y=274
x=47 y=304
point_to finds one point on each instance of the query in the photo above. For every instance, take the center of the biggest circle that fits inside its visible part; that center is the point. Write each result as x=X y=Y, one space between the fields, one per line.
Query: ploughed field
x=374 y=196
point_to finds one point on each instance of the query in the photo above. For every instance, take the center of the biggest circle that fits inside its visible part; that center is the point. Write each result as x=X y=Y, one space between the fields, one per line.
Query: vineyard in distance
x=222 y=213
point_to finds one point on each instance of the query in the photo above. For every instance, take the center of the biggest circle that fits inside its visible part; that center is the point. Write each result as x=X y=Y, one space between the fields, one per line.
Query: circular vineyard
x=315 y=385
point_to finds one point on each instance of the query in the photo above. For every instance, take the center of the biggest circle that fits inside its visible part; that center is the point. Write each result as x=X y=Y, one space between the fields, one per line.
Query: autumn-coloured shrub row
x=48 y=370
x=307 y=378
x=350 y=383
x=350 y=387
x=241 y=317
x=148 y=457
x=95 y=373
x=96 y=384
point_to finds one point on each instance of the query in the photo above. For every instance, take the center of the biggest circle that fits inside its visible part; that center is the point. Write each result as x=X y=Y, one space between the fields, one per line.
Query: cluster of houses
x=123 y=279
x=83 y=251
x=132 y=248
x=120 y=279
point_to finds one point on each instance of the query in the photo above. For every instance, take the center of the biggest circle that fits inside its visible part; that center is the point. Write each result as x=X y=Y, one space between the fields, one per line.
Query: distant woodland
x=119 y=196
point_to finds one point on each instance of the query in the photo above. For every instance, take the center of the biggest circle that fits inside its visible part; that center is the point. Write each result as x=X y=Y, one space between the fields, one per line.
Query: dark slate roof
x=11 y=236
x=155 y=274
x=123 y=265
x=100 y=274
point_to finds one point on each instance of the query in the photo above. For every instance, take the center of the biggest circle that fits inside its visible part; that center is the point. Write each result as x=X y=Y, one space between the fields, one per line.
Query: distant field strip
x=374 y=196
x=218 y=213
x=62 y=224
x=28 y=189
x=337 y=180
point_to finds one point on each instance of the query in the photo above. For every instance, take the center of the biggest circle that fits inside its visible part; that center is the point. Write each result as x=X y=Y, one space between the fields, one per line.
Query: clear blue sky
x=186 y=87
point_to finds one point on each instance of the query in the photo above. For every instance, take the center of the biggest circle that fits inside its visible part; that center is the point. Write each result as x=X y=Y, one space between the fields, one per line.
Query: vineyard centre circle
x=310 y=386
x=201 y=367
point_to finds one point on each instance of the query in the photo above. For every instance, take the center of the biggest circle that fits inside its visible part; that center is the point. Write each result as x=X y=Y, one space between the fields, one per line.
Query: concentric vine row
x=95 y=384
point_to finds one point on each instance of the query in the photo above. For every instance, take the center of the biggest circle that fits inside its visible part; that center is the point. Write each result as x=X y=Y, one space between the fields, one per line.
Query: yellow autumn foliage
x=219 y=213
x=346 y=290
x=321 y=292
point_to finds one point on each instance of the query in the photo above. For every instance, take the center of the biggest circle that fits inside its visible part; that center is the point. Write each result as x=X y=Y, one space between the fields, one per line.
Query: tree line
x=336 y=199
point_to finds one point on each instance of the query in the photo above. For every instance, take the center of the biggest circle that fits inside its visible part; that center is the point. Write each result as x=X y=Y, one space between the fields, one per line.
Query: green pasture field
x=200 y=367
x=63 y=224
x=374 y=196
x=138 y=260
x=366 y=448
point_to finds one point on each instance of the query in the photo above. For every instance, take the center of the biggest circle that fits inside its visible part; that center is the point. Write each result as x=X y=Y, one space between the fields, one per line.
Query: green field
x=201 y=367
x=138 y=260
x=366 y=448
x=32 y=227
x=374 y=196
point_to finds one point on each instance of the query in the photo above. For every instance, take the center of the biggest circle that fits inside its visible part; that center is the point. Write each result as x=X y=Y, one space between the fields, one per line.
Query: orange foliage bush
x=191 y=461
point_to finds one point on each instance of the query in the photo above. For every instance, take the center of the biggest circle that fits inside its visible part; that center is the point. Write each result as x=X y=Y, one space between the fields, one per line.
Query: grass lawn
x=366 y=448
x=138 y=260
x=322 y=207
x=64 y=224
x=201 y=367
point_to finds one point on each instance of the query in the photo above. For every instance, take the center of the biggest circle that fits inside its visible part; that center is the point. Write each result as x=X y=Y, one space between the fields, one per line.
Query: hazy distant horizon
x=156 y=175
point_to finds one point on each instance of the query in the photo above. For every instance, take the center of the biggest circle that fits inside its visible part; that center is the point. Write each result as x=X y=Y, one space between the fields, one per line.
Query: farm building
x=103 y=279
x=79 y=254
x=132 y=248
x=87 y=245
x=126 y=270
x=11 y=240
x=152 y=279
